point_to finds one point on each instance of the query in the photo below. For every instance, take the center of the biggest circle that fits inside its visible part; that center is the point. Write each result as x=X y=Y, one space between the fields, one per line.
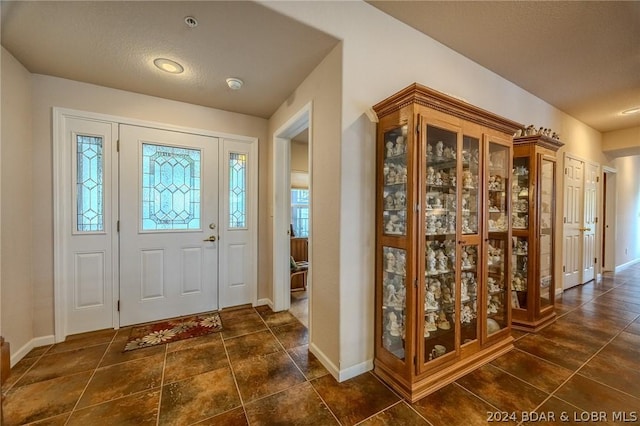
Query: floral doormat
x=173 y=330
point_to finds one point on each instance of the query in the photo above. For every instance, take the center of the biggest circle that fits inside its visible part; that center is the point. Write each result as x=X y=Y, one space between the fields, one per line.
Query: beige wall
x=622 y=142
x=299 y=156
x=17 y=219
x=323 y=88
x=627 y=244
x=51 y=91
x=380 y=57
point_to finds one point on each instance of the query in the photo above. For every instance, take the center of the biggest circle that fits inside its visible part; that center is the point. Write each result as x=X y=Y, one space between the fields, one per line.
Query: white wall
x=627 y=209
x=17 y=220
x=381 y=56
x=51 y=91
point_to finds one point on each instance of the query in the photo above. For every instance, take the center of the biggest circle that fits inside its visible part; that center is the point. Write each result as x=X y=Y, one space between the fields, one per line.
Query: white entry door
x=168 y=224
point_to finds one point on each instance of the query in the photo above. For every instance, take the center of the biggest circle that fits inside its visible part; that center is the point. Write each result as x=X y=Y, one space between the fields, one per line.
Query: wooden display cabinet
x=533 y=220
x=443 y=239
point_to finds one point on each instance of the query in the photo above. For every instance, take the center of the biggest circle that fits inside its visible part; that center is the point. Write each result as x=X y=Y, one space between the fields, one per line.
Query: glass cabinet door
x=394 y=196
x=547 y=183
x=496 y=250
x=520 y=194
x=440 y=243
x=470 y=178
x=520 y=223
x=394 y=300
x=469 y=293
x=519 y=272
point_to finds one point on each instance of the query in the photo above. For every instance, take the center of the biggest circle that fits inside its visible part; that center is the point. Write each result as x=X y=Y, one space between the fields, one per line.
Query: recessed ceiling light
x=168 y=65
x=234 y=83
x=634 y=110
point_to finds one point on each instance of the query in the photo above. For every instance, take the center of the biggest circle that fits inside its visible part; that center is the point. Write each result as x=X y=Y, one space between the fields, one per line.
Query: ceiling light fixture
x=168 y=65
x=633 y=110
x=234 y=83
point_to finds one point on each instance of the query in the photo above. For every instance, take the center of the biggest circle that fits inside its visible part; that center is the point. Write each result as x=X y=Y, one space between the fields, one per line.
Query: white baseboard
x=626 y=265
x=33 y=343
x=356 y=370
x=340 y=375
x=325 y=361
x=266 y=301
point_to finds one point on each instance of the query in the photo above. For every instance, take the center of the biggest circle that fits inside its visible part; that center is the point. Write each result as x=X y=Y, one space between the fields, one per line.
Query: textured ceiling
x=113 y=44
x=583 y=57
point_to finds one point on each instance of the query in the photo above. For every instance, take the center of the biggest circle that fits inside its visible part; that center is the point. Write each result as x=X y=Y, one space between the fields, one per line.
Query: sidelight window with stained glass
x=237 y=190
x=89 y=184
x=171 y=178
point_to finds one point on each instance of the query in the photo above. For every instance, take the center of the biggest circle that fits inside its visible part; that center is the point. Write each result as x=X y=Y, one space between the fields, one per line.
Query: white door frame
x=61 y=212
x=282 y=205
x=609 y=222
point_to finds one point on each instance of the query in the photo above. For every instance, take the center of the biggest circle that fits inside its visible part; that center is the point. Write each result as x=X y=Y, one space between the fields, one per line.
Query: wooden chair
x=299 y=268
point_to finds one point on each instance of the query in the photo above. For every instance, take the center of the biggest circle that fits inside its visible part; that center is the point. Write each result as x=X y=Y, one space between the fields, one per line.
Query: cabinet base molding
x=533 y=326
x=428 y=383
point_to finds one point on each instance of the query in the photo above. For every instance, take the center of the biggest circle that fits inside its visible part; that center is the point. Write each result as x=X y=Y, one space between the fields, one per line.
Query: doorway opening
x=292 y=216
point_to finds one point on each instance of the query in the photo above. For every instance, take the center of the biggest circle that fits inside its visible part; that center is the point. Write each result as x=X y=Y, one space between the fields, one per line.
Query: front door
x=168 y=224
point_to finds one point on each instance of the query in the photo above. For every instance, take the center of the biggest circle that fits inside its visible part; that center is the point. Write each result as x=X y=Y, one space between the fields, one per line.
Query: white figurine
x=393 y=326
x=431 y=177
x=430 y=302
x=442 y=261
x=466 y=316
x=392 y=298
x=390 y=262
x=431 y=321
x=389 y=146
x=400 y=145
x=431 y=261
x=439 y=149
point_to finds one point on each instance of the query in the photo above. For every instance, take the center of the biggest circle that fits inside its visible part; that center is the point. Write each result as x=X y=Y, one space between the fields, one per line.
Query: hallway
x=258 y=371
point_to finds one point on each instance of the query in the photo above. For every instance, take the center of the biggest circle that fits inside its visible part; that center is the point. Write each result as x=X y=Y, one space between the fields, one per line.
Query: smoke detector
x=191 y=21
x=234 y=83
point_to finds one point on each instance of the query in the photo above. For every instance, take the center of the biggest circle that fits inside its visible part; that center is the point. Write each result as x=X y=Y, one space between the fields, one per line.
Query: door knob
x=211 y=238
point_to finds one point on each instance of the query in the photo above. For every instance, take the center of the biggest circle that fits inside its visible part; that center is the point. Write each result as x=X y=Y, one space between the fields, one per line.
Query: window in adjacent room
x=300 y=212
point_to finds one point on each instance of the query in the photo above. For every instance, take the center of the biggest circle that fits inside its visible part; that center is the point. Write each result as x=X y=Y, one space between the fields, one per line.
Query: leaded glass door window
x=170 y=187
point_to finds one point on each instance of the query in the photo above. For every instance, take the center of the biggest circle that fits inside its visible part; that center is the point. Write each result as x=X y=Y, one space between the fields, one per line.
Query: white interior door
x=592 y=172
x=238 y=223
x=168 y=224
x=573 y=218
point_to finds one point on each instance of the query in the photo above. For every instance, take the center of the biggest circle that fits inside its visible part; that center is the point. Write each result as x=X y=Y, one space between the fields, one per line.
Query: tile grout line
x=576 y=372
x=233 y=374
x=93 y=373
x=399 y=396
x=164 y=366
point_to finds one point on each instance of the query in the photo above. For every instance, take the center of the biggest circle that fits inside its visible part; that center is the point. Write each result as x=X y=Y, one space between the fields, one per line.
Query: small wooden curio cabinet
x=443 y=239
x=533 y=221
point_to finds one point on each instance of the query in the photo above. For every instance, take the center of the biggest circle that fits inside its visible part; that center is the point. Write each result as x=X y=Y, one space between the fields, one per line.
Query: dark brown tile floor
x=258 y=371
